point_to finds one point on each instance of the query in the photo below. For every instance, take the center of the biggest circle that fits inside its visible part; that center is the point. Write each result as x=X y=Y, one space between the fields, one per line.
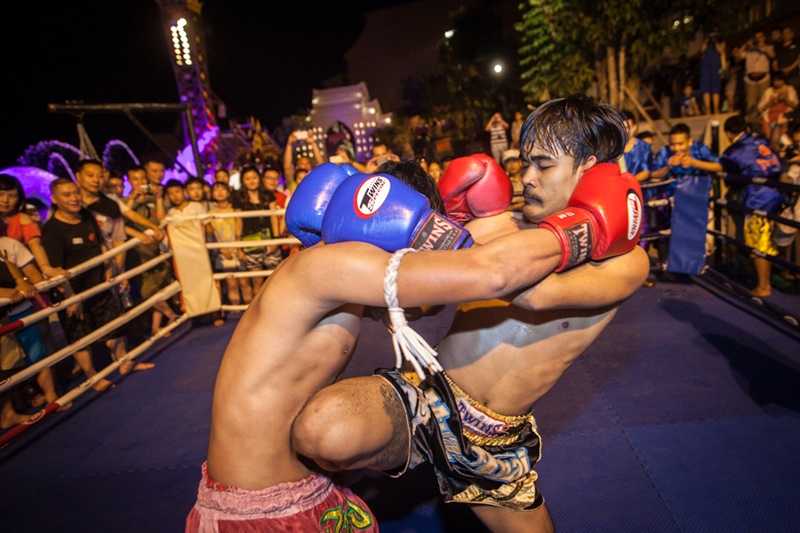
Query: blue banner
x=687 y=245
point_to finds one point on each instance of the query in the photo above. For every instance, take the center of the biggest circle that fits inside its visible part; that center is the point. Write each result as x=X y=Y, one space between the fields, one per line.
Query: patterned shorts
x=479 y=456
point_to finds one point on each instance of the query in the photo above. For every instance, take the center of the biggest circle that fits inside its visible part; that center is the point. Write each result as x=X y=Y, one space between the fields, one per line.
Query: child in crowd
x=225 y=230
x=689 y=107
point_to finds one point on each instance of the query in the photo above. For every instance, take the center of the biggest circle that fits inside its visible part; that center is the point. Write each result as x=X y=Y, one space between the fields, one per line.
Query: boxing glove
x=603 y=217
x=382 y=210
x=310 y=200
x=474 y=186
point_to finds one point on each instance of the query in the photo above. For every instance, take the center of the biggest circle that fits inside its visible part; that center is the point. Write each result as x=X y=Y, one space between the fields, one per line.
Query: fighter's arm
x=588 y=286
x=353 y=272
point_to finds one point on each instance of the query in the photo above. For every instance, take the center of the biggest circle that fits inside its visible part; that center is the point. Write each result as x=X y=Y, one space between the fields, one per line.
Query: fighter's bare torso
x=507 y=358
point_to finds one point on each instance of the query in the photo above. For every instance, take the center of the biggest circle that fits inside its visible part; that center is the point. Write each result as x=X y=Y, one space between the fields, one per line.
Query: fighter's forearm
x=589 y=286
x=354 y=272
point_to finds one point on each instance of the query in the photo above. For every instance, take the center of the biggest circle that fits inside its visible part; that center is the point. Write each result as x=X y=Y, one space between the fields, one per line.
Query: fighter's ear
x=586 y=165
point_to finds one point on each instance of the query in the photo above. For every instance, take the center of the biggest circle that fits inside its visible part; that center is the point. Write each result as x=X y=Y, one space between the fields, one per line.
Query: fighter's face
x=549 y=182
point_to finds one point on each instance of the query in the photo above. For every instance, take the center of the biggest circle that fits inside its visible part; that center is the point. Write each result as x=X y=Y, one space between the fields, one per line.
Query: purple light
x=35 y=181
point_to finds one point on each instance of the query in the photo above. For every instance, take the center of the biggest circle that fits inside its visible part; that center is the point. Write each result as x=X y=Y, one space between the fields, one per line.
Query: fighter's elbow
x=495 y=278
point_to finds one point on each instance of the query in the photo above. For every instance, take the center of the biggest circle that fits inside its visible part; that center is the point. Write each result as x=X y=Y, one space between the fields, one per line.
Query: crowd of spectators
x=100 y=210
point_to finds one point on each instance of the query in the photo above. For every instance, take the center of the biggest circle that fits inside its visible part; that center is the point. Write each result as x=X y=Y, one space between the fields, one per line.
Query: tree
x=552 y=60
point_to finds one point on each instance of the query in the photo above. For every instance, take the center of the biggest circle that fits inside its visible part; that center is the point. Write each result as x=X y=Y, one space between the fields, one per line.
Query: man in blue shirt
x=691 y=164
x=746 y=158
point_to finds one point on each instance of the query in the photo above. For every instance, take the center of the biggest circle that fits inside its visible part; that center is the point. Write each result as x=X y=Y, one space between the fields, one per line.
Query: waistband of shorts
x=276 y=501
x=461 y=394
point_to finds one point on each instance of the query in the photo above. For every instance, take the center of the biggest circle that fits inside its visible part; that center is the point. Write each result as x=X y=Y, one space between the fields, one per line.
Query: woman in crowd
x=255 y=198
x=20 y=226
x=225 y=230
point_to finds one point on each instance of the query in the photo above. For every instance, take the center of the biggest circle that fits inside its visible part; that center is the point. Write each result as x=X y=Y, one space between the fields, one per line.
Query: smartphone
x=301 y=135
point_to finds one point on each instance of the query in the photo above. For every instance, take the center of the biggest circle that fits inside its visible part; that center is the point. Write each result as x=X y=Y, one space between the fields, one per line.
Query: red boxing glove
x=474 y=186
x=603 y=219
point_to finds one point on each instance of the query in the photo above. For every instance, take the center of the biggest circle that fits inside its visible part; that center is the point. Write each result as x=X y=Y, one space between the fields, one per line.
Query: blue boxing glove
x=309 y=201
x=383 y=211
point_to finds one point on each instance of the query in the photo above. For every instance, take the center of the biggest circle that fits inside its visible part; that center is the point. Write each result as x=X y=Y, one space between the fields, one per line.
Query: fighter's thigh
x=503 y=520
x=354 y=423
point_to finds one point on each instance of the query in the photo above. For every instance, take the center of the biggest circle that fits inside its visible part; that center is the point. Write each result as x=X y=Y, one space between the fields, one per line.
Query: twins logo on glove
x=634 y=215
x=370 y=196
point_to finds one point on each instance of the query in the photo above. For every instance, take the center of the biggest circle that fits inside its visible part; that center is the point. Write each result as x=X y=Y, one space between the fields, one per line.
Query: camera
x=301 y=135
x=147 y=188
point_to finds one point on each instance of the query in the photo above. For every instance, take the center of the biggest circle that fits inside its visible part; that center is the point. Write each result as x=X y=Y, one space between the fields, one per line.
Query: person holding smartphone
x=290 y=166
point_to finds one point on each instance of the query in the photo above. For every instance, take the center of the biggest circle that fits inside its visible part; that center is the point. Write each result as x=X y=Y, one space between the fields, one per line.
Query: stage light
x=371 y=110
x=449 y=33
x=497 y=68
x=181 y=22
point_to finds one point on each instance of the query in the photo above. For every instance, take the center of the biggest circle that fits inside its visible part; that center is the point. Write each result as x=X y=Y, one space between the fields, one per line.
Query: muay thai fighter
x=502 y=357
x=289 y=344
x=296 y=336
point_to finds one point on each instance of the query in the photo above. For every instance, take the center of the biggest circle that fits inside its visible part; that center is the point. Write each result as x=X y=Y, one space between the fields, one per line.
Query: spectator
x=637 y=156
x=20 y=226
x=380 y=149
x=647 y=136
x=712 y=63
x=155 y=174
x=516 y=128
x=787 y=58
x=113 y=185
x=150 y=206
x=70 y=237
x=689 y=107
x=435 y=171
x=196 y=192
x=512 y=164
x=222 y=176
x=270 y=180
x=777 y=102
x=18 y=275
x=254 y=198
x=35 y=209
x=498 y=140
x=681 y=158
x=746 y=158
x=684 y=157
x=757 y=57
x=113 y=232
x=225 y=230
x=290 y=166
x=790 y=146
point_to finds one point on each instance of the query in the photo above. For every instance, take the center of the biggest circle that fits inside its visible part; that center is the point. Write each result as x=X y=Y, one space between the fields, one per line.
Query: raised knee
x=324 y=432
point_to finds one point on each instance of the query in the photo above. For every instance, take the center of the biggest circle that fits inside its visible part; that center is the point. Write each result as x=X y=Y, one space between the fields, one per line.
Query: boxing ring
x=682 y=416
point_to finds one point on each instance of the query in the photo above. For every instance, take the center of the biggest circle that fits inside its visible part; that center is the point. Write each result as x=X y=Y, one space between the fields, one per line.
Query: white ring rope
x=234 y=307
x=30 y=371
x=249 y=274
x=88 y=293
x=251 y=244
x=407 y=343
x=174 y=219
x=83 y=267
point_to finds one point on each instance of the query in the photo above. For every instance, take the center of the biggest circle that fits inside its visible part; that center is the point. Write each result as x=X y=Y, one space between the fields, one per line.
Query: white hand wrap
x=407 y=342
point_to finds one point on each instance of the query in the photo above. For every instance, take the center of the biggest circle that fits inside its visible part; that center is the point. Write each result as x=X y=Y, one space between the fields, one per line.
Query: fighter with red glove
x=474 y=186
x=602 y=219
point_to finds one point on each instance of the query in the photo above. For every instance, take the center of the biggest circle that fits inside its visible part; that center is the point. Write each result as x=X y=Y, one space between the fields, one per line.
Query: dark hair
x=221 y=184
x=627 y=115
x=152 y=159
x=414 y=175
x=173 y=183
x=645 y=135
x=9 y=183
x=192 y=181
x=225 y=170
x=778 y=75
x=83 y=163
x=136 y=168
x=58 y=182
x=576 y=126
x=735 y=124
x=681 y=127
x=249 y=168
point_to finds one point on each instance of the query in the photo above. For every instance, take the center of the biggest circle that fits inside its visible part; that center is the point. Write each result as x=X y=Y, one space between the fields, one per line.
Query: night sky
x=263 y=60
